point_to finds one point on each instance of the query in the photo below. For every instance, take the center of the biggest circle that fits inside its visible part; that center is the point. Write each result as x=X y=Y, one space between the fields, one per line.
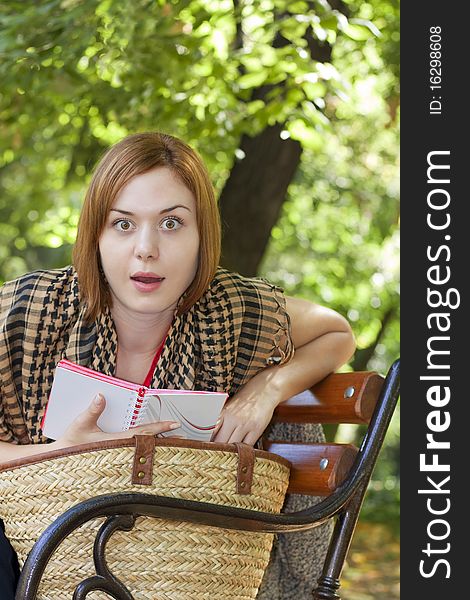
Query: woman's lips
x=146 y=283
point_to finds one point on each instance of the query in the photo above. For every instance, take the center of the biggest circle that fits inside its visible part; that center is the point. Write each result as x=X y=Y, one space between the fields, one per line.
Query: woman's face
x=150 y=243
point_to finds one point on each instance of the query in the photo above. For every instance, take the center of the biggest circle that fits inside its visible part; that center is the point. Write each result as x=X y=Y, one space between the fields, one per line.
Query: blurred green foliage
x=77 y=75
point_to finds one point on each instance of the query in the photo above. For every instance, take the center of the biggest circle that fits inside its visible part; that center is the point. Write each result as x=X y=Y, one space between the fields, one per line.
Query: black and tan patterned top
x=237 y=328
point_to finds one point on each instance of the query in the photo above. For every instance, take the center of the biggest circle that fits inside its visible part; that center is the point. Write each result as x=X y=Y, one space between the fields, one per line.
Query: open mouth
x=143 y=279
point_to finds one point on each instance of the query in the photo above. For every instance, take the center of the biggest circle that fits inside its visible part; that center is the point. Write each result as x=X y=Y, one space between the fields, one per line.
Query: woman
x=146 y=302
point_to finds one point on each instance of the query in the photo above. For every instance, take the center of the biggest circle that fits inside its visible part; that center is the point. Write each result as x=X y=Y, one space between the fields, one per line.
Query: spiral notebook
x=127 y=404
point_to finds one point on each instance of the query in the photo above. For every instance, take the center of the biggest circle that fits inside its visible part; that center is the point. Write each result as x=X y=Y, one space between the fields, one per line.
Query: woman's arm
x=84 y=429
x=323 y=341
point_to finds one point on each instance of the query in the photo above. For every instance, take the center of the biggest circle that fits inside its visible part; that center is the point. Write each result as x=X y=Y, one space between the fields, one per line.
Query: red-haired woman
x=145 y=301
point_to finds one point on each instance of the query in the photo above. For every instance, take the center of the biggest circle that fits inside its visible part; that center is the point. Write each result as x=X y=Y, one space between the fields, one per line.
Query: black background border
x=422 y=133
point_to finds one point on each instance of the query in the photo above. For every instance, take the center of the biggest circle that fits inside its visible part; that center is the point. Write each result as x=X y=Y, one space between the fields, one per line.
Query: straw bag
x=157 y=559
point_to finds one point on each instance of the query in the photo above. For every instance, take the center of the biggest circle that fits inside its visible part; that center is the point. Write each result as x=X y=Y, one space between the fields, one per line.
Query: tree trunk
x=253 y=195
x=256 y=188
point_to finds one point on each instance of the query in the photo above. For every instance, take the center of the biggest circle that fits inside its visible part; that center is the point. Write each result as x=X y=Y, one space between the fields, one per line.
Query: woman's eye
x=122 y=225
x=171 y=223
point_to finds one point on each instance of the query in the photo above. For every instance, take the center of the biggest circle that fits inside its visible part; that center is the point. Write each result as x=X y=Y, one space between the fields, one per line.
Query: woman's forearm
x=311 y=363
x=12 y=451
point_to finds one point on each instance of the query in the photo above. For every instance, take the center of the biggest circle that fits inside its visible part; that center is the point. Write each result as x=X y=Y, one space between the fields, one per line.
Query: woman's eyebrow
x=163 y=211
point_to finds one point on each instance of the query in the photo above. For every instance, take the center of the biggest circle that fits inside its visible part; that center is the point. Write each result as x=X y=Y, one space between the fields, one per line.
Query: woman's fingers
x=231 y=431
x=154 y=428
x=85 y=427
x=239 y=435
x=89 y=417
x=250 y=438
x=224 y=431
x=147 y=429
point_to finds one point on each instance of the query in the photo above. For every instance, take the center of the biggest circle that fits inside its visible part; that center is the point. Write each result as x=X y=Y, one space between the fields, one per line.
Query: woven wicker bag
x=157 y=559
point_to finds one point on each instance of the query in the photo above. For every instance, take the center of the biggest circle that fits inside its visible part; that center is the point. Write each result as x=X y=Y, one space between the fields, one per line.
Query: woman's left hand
x=323 y=341
x=247 y=414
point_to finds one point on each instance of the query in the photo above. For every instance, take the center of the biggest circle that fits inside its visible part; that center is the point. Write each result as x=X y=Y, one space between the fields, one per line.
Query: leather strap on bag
x=246 y=465
x=142 y=468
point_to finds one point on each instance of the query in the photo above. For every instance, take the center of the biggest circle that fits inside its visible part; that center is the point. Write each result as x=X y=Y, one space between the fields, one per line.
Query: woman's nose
x=147 y=244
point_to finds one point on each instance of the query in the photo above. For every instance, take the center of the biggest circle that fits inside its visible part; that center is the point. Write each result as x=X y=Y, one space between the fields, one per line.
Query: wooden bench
x=338 y=472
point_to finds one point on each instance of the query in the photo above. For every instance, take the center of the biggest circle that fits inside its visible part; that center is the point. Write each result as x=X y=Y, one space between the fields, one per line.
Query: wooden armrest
x=317 y=469
x=339 y=398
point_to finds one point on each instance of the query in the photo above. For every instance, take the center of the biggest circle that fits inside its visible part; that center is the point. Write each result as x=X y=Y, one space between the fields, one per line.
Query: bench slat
x=317 y=469
x=339 y=398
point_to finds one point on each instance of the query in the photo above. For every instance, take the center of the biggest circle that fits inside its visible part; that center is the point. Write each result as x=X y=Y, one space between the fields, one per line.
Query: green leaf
x=365 y=23
x=250 y=80
x=360 y=30
x=314 y=90
x=298 y=6
x=307 y=136
x=329 y=21
x=254 y=106
x=294 y=96
x=269 y=56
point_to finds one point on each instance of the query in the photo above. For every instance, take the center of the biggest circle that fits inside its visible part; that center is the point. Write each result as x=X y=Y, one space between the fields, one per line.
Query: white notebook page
x=73 y=392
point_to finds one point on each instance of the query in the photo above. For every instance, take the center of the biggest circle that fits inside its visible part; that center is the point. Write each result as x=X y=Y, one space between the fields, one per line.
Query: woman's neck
x=140 y=334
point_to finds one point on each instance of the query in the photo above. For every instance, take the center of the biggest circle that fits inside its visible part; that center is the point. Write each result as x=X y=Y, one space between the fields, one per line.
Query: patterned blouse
x=238 y=327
